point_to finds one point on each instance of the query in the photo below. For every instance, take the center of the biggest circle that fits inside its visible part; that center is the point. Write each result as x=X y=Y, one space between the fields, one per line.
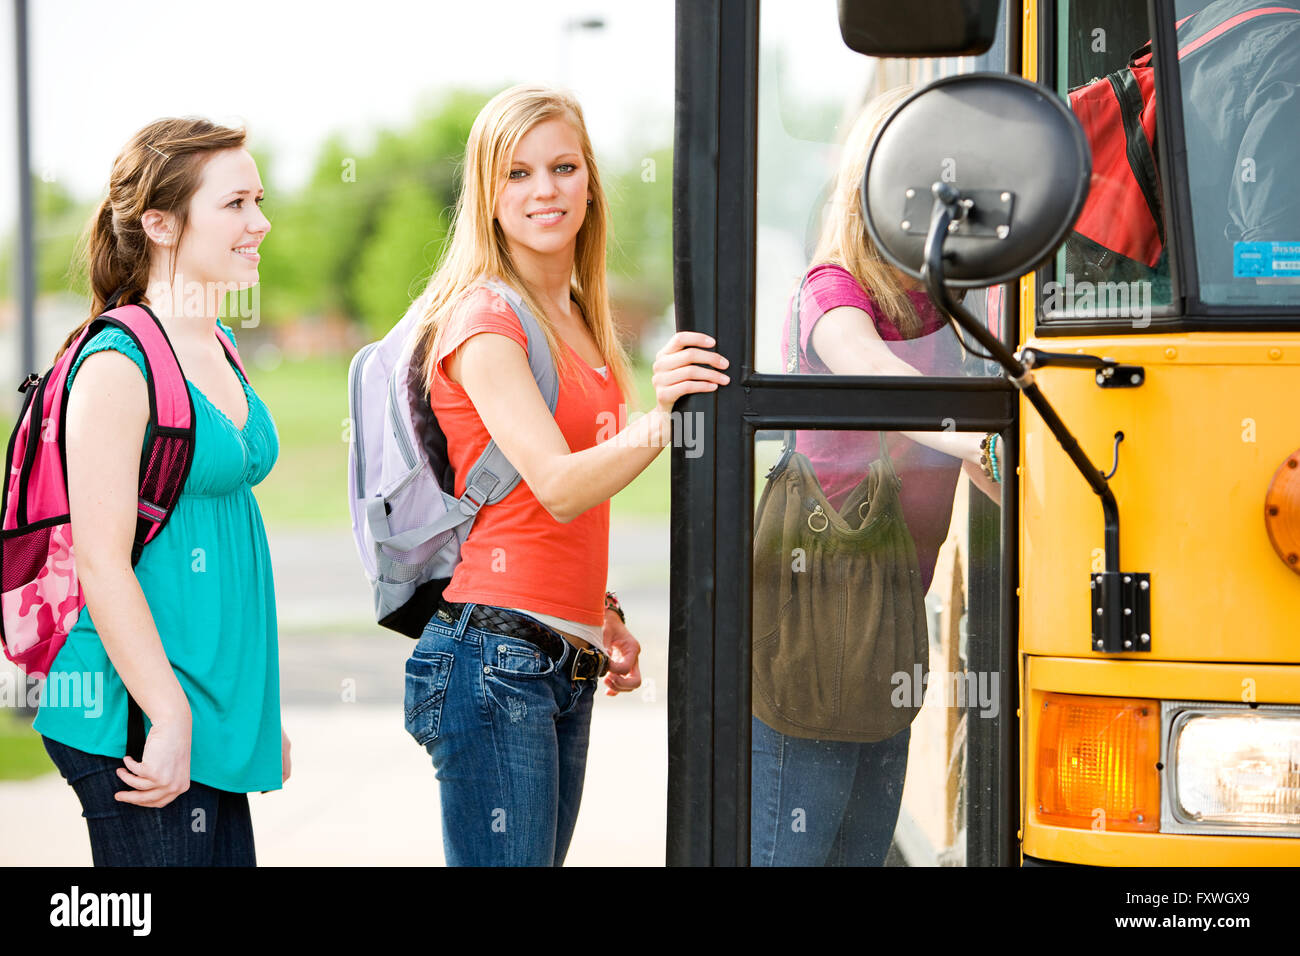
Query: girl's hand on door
x=682 y=366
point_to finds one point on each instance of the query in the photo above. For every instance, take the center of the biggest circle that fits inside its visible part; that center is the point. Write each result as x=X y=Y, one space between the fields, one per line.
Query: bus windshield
x=1239 y=66
x=1115 y=264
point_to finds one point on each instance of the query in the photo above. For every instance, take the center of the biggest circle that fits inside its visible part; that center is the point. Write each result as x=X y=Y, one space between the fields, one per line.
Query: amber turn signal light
x=1097 y=761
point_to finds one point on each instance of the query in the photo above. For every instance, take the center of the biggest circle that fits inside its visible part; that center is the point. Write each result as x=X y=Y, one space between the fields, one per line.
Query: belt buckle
x=600 y=663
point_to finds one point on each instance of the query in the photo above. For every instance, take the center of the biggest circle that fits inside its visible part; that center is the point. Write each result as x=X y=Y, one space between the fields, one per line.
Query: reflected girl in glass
x=834 y=802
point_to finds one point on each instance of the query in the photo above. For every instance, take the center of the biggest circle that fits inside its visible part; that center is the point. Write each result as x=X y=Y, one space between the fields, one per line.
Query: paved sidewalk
x=362 y=791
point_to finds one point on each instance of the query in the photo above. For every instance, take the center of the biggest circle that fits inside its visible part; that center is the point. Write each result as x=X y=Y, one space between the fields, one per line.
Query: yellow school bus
x=1187 y=753
x=1099 y=699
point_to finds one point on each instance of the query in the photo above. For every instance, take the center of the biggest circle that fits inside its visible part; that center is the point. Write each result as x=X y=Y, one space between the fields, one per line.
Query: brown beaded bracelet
x=986 y=462
x=611 y=604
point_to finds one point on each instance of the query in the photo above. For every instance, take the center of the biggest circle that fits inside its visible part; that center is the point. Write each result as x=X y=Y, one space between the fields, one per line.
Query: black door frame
x=714 y=181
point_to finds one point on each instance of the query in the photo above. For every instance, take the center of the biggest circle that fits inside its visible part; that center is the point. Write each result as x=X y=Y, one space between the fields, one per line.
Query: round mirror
x=1015 y=152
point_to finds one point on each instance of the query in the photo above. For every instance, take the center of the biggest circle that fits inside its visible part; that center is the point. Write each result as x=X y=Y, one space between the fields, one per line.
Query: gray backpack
x=408 y=524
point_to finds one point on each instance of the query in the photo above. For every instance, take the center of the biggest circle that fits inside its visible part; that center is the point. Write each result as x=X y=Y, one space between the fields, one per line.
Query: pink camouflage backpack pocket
x=40 y=597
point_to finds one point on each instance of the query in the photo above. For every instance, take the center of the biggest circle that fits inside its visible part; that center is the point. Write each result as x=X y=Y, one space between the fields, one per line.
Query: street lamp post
x=25 y=258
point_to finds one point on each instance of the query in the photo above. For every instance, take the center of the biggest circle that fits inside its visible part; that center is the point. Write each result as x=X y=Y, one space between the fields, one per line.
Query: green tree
x=315 y=235
x=58 y=222
x=640 y=255
x=319 y=256
x=405 y=244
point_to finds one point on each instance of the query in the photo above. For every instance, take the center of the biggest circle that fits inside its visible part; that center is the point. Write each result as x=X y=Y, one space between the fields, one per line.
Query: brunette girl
x=190 y=631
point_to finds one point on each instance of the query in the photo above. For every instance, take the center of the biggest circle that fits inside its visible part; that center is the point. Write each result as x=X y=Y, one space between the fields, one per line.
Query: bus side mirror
x=918 y=27
x=973 y=181
x=1011 y=156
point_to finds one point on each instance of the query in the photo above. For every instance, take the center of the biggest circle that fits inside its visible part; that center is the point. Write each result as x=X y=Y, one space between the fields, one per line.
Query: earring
x=588 y=202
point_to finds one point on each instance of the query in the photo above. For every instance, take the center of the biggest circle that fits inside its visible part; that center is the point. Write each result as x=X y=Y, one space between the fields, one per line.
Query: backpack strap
x=232 y=353
x=1141 y=158
x=169 y=453
x=1142 y=55
x=1213 y=33
x=165 y=462
x=492 y=476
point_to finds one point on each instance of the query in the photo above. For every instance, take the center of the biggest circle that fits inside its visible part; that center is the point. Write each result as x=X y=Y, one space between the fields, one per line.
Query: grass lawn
x=309 y=401
x=647 y=495
x=308 y=486
x=22 y=755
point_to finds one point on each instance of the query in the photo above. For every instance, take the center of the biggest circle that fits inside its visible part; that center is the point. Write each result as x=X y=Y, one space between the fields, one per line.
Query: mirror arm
x=1109 y=604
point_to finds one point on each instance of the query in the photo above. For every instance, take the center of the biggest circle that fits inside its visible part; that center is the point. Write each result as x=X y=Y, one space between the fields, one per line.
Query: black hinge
x=1121 y=612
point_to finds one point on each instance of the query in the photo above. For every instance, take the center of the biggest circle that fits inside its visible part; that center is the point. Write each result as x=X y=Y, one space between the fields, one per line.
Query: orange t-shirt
x=516 y=554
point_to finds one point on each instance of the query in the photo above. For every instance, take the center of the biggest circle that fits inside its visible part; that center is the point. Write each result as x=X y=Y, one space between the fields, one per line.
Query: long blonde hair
x=477 y=248
x=843 y=239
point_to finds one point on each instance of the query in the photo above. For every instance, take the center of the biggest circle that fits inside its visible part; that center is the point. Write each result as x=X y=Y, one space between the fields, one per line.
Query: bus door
x=832 y=699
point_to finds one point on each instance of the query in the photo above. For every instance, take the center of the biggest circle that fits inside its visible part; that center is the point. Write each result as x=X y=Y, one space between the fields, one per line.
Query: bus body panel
x=1203 y=437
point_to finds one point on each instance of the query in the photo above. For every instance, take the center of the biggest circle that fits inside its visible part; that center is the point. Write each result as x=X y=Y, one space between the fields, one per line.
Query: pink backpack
x=40 y=598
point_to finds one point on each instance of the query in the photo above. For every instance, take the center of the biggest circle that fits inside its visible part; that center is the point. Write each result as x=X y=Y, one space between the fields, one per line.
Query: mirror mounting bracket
x=1110 y=374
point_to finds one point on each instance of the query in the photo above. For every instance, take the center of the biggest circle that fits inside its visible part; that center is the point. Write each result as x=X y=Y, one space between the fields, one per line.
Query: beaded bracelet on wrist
x=985 y=459
x=611 y=604
x=989 y=457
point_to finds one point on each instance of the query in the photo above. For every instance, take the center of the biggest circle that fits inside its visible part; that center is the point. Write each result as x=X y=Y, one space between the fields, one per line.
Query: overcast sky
x=292 y=72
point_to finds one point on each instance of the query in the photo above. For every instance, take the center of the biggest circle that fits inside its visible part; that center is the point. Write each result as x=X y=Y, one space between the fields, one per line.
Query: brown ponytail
x=160 y=168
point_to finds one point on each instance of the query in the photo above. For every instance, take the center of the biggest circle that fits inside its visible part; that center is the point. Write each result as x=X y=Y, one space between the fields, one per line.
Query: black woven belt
x=588 y=663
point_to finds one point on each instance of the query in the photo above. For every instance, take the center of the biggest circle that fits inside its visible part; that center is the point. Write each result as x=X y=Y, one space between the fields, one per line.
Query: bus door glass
x=876 y=574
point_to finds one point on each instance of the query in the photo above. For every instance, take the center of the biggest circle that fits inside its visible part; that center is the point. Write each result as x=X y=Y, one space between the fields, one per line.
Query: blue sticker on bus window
x=1265 y=259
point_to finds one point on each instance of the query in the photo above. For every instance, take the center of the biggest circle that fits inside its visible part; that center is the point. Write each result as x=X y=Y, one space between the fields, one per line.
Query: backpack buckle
x=479 y=491
x=149 y=511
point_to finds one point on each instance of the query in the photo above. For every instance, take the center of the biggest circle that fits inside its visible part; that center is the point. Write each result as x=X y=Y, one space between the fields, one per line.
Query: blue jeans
x=823 y=802
x=507 y=731
x=201 y=827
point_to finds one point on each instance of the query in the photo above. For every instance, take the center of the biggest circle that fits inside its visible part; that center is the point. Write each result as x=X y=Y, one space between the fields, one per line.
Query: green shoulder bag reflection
x=838 y=605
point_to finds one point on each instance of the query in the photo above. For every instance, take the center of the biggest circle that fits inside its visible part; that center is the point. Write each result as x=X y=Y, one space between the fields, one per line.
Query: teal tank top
x=207 y=578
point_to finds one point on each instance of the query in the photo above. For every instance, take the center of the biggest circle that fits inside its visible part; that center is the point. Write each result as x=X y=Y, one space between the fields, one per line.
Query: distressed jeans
x=508 y=733
x=201 y=827
x=823 y=802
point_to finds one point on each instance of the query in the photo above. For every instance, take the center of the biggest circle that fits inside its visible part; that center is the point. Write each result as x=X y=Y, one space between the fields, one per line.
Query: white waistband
x=590 y=633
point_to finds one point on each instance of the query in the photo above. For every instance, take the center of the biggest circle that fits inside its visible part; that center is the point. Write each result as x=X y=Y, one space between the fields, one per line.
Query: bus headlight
x=1231 y=768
